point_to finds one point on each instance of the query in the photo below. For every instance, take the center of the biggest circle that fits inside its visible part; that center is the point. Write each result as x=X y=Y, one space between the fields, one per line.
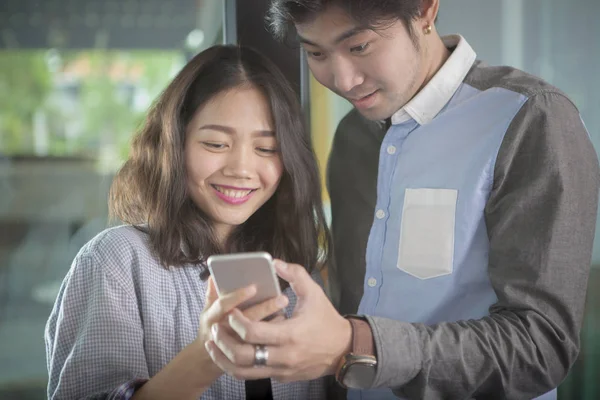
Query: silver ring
x=261 y=355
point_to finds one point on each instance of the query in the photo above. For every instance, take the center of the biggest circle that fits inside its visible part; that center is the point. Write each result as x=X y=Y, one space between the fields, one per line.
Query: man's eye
x=317 y=55
x=360 y=49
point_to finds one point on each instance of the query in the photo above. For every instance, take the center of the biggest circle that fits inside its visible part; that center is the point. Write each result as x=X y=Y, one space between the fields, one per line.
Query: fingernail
x=213 y=330
x=207 y=346
x=250 y=290
x=281 y=301
x=282 y=264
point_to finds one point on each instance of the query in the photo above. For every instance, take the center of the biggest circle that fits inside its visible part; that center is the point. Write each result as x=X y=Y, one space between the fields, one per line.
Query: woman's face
x=232 y=157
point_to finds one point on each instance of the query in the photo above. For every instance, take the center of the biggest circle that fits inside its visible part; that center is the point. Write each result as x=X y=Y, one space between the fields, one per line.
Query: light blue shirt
x=429 y=185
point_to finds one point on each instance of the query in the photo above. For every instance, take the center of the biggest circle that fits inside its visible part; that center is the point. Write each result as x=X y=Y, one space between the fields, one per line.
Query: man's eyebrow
x=340 y=38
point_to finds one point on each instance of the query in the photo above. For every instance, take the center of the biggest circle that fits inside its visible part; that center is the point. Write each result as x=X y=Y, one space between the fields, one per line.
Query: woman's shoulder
x=117 y=251
x=124 y=241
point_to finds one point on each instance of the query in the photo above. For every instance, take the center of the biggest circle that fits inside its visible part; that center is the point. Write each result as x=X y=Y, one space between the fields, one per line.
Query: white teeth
x=236 y=194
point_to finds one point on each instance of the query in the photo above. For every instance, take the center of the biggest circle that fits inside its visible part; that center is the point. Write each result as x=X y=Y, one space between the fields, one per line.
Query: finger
x=239 y=353
x=278 y=318
x=266 y=308
x=299 y=280
x=258 y=332
x=241 y=373
x=224 y=304
x=211 y=292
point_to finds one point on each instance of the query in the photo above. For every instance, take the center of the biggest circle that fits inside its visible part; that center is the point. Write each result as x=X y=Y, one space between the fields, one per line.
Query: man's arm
x=541 y=217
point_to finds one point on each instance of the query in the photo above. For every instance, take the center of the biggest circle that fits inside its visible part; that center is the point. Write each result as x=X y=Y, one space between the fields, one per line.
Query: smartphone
x=234 y=271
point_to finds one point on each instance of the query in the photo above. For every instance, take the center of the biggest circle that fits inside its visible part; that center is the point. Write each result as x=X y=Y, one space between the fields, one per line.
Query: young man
x=477 y=188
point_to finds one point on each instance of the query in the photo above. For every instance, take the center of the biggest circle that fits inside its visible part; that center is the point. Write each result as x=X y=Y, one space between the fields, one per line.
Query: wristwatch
x=357 y=369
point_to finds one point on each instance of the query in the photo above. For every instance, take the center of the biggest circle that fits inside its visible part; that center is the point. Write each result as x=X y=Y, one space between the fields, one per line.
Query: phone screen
x=234 y=271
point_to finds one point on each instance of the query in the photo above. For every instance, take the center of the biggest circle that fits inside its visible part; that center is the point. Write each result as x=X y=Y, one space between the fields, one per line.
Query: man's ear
x=429 y=11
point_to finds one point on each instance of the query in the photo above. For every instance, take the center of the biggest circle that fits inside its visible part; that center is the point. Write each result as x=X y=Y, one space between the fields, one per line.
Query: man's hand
x=306 y=346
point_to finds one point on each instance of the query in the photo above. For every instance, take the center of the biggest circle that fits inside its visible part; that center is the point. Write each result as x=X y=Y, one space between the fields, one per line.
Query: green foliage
x=103 y=111
x=25 y=82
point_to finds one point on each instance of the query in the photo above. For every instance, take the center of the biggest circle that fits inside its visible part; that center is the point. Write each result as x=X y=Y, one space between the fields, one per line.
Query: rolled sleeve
x=127 y=389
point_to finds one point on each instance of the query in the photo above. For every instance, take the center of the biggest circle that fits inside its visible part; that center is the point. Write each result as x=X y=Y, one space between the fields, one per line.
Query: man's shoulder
x=484 y=77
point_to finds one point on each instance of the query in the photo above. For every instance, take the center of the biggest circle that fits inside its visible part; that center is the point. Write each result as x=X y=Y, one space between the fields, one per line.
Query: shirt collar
x=428 y=102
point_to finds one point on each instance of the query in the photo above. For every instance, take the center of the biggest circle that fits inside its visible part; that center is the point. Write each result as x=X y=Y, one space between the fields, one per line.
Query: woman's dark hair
x=150 y=191
x=283 y=14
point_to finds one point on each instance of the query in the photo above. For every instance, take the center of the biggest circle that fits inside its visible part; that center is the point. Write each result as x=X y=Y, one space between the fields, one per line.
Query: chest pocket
x=426 y=248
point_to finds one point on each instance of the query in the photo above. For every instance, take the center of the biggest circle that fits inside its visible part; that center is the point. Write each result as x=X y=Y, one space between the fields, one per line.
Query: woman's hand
x=217 y=309
x=192 y=371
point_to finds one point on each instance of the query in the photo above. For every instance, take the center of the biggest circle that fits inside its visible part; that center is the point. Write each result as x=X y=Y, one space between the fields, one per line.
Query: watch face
x=360 y=376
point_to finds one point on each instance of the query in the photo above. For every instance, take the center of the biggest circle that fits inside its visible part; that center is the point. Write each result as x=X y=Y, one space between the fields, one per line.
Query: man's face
x=378 y=72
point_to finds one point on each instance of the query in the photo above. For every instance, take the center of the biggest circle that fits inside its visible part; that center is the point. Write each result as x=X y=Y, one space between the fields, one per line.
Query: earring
x=427 y=29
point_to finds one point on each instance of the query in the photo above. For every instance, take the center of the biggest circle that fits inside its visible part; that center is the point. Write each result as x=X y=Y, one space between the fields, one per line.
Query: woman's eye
x=267 y=150
x=216 y=146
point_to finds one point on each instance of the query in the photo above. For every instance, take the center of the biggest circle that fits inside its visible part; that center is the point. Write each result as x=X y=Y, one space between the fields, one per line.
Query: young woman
x=223 y=164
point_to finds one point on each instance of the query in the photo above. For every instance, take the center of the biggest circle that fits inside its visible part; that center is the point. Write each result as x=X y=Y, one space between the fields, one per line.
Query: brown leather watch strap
x=362 y=337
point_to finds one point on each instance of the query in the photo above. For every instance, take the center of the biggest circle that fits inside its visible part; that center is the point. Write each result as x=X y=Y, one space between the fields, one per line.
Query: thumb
x=299 y=280
x=211 y=293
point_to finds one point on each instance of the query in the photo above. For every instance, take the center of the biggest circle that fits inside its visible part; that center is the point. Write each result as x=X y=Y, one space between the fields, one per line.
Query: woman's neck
x=222 y=233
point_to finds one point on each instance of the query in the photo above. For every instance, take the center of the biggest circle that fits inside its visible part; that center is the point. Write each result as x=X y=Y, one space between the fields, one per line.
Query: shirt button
x=372 y=282
x=380 y=214
x=391 y=150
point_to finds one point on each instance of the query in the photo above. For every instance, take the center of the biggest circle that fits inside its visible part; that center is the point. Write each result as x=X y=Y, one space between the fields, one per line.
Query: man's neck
x=438 y=55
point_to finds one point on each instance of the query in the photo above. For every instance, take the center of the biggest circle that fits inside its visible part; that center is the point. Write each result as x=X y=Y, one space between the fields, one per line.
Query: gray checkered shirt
x=120 y=317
